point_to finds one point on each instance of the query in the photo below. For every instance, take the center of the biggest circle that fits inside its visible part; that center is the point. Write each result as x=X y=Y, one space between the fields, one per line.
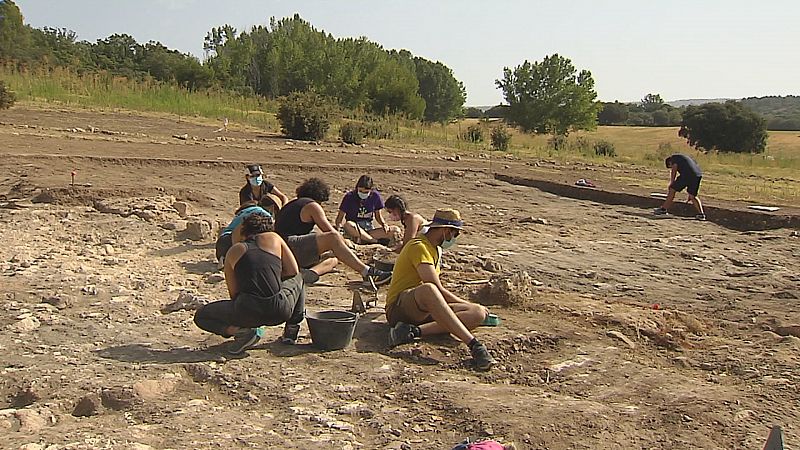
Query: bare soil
x=627 y=331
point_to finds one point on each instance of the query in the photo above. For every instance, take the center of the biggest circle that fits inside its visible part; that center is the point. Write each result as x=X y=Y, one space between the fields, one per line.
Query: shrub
x=558 y=142
x=379 y=128
x=352 y=133
x=7 y=97
x=500 y=138
x=604 y=148
x=305 y=115
x=473 y=134
x=582 y=144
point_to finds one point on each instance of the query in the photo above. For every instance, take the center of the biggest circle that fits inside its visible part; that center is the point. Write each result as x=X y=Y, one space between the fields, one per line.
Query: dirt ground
x=619 y=330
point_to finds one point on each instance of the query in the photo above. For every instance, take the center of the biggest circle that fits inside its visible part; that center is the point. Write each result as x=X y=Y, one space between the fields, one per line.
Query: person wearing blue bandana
x=257 y=187
x=418 y=305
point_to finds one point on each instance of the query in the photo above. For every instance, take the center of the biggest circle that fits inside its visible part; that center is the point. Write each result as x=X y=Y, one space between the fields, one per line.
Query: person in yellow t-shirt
x=417 y=304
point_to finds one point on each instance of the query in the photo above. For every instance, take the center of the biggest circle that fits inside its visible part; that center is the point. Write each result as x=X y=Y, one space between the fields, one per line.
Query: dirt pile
x=514 y=290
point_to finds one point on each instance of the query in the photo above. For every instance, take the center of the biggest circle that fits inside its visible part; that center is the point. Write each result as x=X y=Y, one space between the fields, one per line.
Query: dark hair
x=257 y=223
x=244 y=205
x=314 y=188
x=396 y=202
x=364 y=181
x=668 y=161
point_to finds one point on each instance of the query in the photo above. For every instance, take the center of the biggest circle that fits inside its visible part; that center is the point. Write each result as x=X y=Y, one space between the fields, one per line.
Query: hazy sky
x=679 y=49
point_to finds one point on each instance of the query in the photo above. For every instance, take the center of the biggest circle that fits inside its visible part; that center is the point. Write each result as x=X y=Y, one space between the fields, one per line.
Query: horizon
x=680 y=58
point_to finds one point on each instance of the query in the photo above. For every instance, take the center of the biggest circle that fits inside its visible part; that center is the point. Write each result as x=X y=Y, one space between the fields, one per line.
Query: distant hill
x=696 y=101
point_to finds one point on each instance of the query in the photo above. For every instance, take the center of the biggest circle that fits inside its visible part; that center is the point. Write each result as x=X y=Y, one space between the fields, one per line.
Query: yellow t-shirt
x=405 y=276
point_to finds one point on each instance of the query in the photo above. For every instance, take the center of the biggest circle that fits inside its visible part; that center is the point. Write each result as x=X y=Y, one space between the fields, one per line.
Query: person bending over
x=358 y=209
x=413 y=223
x=689 y=177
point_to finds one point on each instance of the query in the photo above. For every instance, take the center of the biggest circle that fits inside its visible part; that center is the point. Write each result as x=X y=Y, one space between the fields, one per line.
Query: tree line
x=288 y=55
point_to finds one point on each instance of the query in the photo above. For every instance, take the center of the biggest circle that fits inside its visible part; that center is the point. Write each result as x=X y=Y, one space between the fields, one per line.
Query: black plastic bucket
x=331 y=330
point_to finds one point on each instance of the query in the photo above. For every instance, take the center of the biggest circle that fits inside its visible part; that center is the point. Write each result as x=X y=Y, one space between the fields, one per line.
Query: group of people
x=270 y=253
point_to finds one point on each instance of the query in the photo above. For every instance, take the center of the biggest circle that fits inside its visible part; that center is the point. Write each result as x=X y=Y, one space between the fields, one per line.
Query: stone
x=57 y=301
x=108 y=250
x=186 y=301
x=30 y=421
x=621 y=337
x=178 y=225
x=182 y=137
x=32 y=446
x=118 y=398
x=199 y=372
x=88 y=405
x=146 y=215
x=507 y=290
x=214 y=278
x=153 y=389
x=532 y=219
x=25 y=397
x=25 y=325
x=182 y=208
x=491 y=265
x=198 y=230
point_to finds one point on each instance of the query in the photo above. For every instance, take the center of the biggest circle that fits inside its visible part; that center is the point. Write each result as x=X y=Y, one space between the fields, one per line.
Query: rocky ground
x=618 y=330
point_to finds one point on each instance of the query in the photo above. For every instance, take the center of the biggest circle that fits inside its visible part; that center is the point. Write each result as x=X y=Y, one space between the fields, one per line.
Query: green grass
x=104 y=90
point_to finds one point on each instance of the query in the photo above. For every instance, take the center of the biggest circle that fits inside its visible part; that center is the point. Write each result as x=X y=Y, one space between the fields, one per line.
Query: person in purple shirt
x=358 y=209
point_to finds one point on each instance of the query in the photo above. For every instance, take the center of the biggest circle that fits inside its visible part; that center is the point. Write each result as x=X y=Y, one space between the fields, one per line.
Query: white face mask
x=256 y=181
x=449 y=243
x=363 y=195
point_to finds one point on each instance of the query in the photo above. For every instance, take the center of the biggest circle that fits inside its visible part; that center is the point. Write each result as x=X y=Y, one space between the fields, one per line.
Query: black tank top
x=258 y=272
x=288 y=222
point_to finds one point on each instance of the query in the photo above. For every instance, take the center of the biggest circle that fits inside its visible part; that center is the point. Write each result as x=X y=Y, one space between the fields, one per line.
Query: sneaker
x=245 y=339
x=660 y=212
x=309 y=276
x=700 y=217
x=379 y=277
x=480 y=355
x=290 y=334
x=401 y=333
x=384 y=242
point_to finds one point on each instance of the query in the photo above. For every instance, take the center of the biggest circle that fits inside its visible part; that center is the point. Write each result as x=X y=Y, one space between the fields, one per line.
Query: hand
x=485 y=311
x=386 y=228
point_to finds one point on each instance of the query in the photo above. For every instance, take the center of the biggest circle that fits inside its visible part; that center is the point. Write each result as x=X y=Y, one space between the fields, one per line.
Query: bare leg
x=334 y=242
x=430 y=301
x=470 y=315
x=670 y=198
x=379 y=233
x=698 y=205
x=354 y=231
x=325 y=266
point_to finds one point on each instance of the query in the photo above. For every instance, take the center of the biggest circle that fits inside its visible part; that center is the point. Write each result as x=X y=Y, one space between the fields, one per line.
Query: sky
x=680 y=49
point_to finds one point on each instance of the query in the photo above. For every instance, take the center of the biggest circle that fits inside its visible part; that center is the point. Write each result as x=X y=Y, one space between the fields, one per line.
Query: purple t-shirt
x=357 y=210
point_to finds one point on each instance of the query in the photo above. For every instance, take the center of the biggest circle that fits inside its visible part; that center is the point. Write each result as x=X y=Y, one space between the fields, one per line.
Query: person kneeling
x=264 y=285
x=417 y=304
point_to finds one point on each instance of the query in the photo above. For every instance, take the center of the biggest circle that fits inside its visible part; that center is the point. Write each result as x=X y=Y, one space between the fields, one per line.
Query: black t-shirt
x=686 y=166
x=246 y=193
x=258 y=272
x=288 y=222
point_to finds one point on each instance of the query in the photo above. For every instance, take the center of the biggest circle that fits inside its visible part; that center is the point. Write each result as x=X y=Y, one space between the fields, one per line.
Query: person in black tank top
x=265 y=287
x=295 y=223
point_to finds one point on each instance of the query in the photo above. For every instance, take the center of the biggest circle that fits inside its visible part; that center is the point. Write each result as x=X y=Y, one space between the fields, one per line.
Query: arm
x=380 y=220
x=339 y=219
x=315 y=212
x=231 y=258
x=244 y=195
x=236 y=236
x=672 y=173
x=289 y=266
x=428 y=275
x=281 y=195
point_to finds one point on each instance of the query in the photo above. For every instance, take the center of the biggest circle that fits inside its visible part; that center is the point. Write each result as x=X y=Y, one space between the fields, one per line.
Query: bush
x=305 y=115
x=726 y=127
x=558 y=142
x=352 y=133
x=500 y=138
x=7 y=97
x=604 y=148
x=379 y=128
x=582 y=144
x=473 y=134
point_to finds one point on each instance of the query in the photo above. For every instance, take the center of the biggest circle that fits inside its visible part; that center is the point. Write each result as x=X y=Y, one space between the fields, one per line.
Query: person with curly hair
x=413 y=223
x=295 y=223
x=231 y=234
x=265 y=288
x=358 y=209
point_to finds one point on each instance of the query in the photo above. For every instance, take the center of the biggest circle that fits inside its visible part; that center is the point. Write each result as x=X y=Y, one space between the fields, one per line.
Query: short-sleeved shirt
x=357 y=210
x=686 y=166
x=288 y=223
x=405 y=276
x=246 y=193
x=243 y=214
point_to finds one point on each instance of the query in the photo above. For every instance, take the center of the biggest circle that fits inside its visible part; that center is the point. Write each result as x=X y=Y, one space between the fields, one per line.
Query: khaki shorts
x=405 y=309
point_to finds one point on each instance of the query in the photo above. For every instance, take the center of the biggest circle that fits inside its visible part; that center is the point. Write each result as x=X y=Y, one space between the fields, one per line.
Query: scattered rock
x=791 y=330
x=178 y=225
x=507 y=290
x=25 y=325
x=58 y=301
x=87 y=406
x=532 y=219
x=621 y=337
x=90 y=289
x=186 y=301
x=491 y=265
x=214 y=278
x=198 y=230
x=118 y=398
x=108 y=250
x=182 y=137
x=182 y=208
x=199 y=372
x=32 y=446
x=31 y=421
x=25 y=397
x=153 y=389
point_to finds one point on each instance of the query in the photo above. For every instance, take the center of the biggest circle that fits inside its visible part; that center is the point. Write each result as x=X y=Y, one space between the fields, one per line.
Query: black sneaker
x=384 y=242
x=309 y=276
x=244 y=340
x=660 y=212
x=401 y=333
x=379 y=277
x=290 y=334
x=483 y=360
x=701 y=217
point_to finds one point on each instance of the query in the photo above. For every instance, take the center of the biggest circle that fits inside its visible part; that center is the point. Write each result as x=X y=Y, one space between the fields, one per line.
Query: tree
x=613 y=114
x=652 y=102
x=7 y=98
x=444 y=95
x=548 y=97
x=14 y=35
x=728 y=127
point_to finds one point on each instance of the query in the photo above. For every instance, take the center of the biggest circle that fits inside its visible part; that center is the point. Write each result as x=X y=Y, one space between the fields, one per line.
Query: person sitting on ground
x=358 y=208
x=264 y=285
x=231 y=234
x=418 y=305
x=257 y=187
x=295 y=223
x=413 y=223
x=689 y=177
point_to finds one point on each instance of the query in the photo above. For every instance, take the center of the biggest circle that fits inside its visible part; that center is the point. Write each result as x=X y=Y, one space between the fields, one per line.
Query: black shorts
x=691 y=184
x=224 y=243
